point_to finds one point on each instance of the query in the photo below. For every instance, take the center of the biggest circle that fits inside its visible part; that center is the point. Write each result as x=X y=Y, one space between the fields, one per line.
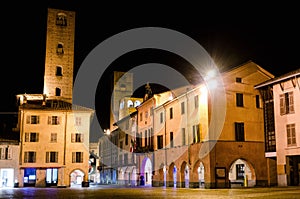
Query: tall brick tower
x=59 y=62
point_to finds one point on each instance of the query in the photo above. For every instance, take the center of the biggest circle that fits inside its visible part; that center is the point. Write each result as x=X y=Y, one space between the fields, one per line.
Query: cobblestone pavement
x=149 y=192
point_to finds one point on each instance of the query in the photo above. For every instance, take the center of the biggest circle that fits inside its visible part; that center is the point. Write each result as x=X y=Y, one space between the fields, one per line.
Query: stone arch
x=134 y=177
x=172 y=172
x=184 y=175
x=146 y=172
x=198 y=175
x=242 y=173
x=76 y=177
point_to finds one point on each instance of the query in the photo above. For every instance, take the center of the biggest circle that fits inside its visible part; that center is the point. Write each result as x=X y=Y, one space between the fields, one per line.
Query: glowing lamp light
x=107 y=131
x=210 y=74
x=211 y=82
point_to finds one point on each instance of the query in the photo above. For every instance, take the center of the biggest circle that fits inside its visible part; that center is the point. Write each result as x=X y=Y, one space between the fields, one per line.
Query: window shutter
x=25 y=157
x=28 y=119
x=37 y=137
x=47 y=157
x=73 y=137
x=49 y=119
x=26 y=137
x=9 y=154
x=81 y=137
x=34 y=156
x=56 y=156
x=73 y=157
x=282 y=104
x=2 y=152
x=81 y=156
x=291 y=102
x=37 y=119
x=293 y=134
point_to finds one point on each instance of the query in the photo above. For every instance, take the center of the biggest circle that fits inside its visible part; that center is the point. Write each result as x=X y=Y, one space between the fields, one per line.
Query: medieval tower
x=59 y=59
x=122 y=86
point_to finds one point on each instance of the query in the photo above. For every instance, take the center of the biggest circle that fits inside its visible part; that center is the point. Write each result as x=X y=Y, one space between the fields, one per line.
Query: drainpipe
x=165 y=127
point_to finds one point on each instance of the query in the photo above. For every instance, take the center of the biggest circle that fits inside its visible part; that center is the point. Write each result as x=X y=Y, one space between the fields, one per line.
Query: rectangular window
x=77 y=137
x=53 y=137
x=171 y=140
x=239 y=100
x=126 y=158
x=257 y=101
x=182 y=108
x=53 y=120
x=171 y=113
x=32 y=119
x=160 y=142
x=6 y=153
x=29 y=157
x=51 y=157
x=58 y=71
x=183 y=136
x=238 y=80
x=240 y=171
x=78 y=121
x=161 y=117
x=196 y=99
x=141 y=116
x=291 y=134
x=31 y=137
x=239 y=131
x=286 y=103
x=77 y=157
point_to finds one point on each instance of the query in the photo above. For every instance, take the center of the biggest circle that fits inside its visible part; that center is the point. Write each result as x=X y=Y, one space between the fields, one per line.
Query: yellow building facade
x=185 y=150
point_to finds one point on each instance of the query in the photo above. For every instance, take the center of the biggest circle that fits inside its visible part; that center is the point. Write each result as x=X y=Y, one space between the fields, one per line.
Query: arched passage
x=172 y=179
x=198 y=174
x=184 y=175
x=146 y=172
x=242 y=173
x=76 y=178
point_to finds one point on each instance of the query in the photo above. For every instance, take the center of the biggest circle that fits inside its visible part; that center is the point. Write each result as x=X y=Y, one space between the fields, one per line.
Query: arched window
x=137 y=103
x=123 y=87
x=61 y=19
x=57 y=91
x=60 y=48
x=129 y=103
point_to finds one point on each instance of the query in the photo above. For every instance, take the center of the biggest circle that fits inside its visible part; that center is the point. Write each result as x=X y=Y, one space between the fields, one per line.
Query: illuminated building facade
x=282 y=126
x=175 y=146
x=54 y=133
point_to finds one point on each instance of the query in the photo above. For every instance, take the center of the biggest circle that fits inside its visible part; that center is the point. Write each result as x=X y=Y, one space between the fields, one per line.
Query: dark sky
x=266 y=35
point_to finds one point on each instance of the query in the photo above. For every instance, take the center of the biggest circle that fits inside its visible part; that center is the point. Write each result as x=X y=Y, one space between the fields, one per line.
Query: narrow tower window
x=60 y=48
x=58 y=71
x=57 y=91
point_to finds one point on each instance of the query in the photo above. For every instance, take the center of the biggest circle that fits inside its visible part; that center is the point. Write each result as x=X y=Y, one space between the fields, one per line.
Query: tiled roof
x=53 y=104
x=280 y=78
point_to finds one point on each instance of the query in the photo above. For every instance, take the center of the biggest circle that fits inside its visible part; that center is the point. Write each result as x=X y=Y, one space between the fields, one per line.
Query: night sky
x=231 y=37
